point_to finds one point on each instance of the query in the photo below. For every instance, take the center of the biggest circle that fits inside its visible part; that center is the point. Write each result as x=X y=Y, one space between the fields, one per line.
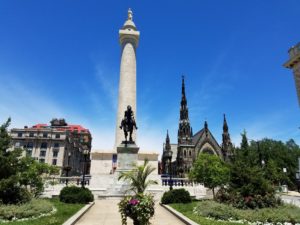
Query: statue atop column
x=127 y=124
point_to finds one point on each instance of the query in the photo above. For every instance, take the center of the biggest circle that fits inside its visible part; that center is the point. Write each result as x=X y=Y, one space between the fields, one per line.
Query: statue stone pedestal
x=127 y=156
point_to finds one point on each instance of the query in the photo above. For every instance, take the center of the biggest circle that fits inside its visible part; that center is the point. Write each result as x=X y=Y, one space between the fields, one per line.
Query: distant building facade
x=294 y=64
x=58 y=144
x=189 y=146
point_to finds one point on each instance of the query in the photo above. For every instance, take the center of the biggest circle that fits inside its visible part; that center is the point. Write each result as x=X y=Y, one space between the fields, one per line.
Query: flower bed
x=33 y=209
x=213 y=213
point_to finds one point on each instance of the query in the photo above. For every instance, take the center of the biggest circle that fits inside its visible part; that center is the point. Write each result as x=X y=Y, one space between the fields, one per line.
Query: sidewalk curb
x=72 y=220
x=179 y=215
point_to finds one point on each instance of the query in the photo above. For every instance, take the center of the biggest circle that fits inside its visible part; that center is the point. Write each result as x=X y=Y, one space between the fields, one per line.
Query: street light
x=169 y=157
x=85 y=154
x=68 y=168
x=284 y=186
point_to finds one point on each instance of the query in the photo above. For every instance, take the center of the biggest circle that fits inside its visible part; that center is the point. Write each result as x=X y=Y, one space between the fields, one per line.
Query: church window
x=184 y=153
x=190 y=153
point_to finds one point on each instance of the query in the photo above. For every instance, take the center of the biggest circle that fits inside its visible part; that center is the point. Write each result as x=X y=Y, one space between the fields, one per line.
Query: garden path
x=105 y=212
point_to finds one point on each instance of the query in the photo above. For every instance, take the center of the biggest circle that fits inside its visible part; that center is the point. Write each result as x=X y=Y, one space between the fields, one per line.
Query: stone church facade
x=179 y=158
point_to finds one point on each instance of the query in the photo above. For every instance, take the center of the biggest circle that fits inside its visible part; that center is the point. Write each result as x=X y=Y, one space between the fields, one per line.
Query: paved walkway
x=105 y=212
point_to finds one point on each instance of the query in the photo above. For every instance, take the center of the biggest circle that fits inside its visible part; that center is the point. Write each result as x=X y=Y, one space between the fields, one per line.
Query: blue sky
x=62 y=58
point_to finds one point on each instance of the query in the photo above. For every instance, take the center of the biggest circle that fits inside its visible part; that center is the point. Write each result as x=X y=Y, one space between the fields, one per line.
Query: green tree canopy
x=20 y=177
x=210 y=170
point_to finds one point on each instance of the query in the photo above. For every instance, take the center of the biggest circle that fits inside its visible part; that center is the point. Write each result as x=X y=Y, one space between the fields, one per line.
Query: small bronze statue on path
x=128 y=123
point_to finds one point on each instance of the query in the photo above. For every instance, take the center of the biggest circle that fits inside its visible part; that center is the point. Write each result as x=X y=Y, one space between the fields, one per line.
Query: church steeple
x=226 y=142
x=168 y=146
x=185 y=130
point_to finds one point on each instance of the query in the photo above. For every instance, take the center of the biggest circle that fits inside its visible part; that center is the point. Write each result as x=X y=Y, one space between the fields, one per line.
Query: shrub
x=176 y=196
x=243 y=202
x=34 y=208
x=74 y=194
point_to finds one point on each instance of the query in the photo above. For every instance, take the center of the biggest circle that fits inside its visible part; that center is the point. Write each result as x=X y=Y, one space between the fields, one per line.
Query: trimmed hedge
x=176 y=196
x=74 y=194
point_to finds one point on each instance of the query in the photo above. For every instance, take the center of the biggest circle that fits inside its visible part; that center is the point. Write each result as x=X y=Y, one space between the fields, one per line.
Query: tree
x=138 y=177
x=20 y=177
x=210 y=170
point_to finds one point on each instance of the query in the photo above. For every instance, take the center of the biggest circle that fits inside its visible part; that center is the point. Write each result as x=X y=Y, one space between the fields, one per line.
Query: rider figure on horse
x=128 y=123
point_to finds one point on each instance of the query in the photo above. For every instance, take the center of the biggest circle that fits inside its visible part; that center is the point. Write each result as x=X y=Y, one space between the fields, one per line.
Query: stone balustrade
x=177 y=182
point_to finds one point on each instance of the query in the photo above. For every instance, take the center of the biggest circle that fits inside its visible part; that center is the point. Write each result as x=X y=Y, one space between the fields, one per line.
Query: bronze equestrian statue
x=128 y=123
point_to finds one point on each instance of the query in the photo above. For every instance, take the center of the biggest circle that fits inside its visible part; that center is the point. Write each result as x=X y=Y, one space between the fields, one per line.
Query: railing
x=71 y=180
x=177 y=182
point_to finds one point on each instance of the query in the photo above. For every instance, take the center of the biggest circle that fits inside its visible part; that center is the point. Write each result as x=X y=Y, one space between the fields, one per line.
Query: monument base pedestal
x=127 y=156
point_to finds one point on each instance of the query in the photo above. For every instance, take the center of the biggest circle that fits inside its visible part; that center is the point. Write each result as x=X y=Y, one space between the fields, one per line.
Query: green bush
x=243 y=202
x=176 y=196
x=34 y=208
x=74 y=194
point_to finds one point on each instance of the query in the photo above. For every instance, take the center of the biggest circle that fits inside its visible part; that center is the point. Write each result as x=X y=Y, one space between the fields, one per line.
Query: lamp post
x=68 y=168
x=169 y=157
x=85 y=154
x=284 y=186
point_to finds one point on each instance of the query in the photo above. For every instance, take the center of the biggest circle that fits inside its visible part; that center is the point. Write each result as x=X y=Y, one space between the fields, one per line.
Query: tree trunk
x=213 y=191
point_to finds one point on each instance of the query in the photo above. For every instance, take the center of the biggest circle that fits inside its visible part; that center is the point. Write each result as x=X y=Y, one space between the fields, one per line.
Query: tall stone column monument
x=294 y=64
x=129 y=38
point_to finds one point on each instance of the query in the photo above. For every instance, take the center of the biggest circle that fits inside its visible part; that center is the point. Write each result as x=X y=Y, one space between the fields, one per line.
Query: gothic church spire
x=185 y=130
x=226 y=141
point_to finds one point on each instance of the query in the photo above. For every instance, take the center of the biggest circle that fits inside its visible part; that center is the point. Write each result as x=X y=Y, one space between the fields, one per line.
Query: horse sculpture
x=128 y=123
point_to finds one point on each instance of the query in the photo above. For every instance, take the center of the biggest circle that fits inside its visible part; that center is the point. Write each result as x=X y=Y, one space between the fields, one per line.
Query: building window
x=17 y=144
x=42 y=160
x=184 y=153
x=45 y=135
x=20 y=134
x=190 y=153
x=56 y=145
x=54 y=162
x=44 y=145
x=43 y=153
x=55 y=153
x=57 y=136
x=31 y=134
x=29 y=145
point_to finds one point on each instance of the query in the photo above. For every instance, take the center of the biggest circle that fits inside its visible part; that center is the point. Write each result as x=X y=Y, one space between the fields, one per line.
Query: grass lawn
x=187 y=210
x=64 y=212
x=204 y=209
